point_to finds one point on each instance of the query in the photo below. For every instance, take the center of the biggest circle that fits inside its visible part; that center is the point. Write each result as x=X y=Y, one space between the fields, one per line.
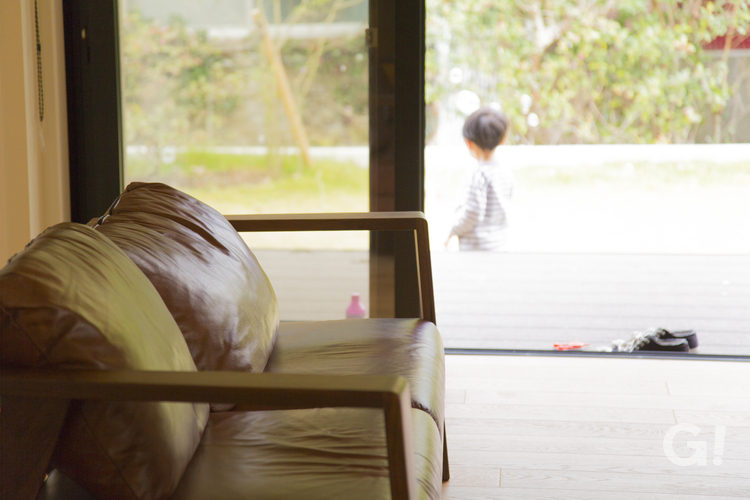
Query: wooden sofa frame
x=38 y=400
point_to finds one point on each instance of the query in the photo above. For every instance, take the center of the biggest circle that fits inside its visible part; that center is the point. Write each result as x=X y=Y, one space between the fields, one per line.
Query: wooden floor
x=534 y=300
x=565 y=428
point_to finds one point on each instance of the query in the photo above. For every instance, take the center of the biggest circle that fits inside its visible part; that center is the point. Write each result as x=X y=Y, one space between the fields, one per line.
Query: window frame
x=95 y=130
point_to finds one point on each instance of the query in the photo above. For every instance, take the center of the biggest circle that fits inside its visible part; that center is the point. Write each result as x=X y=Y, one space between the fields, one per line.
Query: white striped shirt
x=481 y=221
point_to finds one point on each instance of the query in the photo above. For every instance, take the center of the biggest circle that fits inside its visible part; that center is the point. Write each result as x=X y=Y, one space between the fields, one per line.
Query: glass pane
x=253 y=107
x=628 y=141
x=330 y=278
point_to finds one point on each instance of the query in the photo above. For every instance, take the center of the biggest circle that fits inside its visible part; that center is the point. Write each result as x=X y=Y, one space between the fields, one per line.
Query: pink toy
x=355 y=309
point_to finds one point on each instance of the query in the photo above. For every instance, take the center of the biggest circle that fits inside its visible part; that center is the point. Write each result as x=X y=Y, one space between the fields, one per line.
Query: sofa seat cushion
x=73 y=300
x=312 y=454
x=207 y=276
x=408 y=347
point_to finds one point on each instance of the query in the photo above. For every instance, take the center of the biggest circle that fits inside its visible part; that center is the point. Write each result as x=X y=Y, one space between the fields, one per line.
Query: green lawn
x=244 y=184
x=234 y=183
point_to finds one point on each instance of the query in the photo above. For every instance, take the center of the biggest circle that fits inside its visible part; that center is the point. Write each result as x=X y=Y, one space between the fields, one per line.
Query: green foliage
x=178 y=86
x=182 y=89
x=335 y=109
x=598 y=71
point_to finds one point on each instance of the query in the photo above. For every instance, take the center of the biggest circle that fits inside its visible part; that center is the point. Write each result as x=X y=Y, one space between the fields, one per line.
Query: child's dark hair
x=486 y=127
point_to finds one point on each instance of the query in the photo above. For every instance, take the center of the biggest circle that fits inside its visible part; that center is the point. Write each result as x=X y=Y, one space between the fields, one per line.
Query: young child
x=482 y=218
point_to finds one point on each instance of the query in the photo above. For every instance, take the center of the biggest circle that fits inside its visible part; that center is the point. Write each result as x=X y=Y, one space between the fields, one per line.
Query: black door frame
x=92 y=75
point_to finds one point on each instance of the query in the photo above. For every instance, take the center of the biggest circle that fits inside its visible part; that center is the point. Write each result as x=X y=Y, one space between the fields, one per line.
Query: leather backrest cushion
x=209 y=279
x=73 y=300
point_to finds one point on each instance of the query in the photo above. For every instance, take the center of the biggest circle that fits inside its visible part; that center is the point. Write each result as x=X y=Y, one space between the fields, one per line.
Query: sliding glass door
x=628 y=141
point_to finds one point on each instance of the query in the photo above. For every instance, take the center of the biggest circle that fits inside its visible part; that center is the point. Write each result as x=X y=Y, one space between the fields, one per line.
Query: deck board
x=533 y=300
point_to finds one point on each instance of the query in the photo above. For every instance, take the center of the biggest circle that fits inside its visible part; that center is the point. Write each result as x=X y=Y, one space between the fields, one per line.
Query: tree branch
x=313 y=62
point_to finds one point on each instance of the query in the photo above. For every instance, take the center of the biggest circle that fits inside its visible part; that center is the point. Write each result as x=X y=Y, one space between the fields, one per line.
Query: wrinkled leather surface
x=73 y=300
x=408 y=347
x=331 y=453
x=210 y=281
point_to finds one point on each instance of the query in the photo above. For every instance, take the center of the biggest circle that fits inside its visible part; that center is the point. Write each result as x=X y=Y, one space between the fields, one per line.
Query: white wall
x=34 y=188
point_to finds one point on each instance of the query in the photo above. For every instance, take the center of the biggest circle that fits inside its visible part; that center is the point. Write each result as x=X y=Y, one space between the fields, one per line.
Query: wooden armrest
x=359 y=221
x=253 y=390
x=364 y=221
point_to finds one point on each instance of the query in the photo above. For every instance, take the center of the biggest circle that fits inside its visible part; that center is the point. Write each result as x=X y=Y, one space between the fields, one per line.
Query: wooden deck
x=567 y=428
x=533 y=300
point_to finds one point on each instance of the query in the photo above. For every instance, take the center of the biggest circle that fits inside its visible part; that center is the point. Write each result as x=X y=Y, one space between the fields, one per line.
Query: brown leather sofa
x=143 y=358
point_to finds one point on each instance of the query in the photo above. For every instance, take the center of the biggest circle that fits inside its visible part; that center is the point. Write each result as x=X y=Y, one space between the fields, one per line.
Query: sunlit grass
x=240 y=183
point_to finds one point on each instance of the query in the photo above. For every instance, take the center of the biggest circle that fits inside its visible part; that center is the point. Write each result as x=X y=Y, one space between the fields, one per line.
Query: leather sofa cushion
x=211 y=282
x=316 y=454
x=411 y=348
x=73 y=300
